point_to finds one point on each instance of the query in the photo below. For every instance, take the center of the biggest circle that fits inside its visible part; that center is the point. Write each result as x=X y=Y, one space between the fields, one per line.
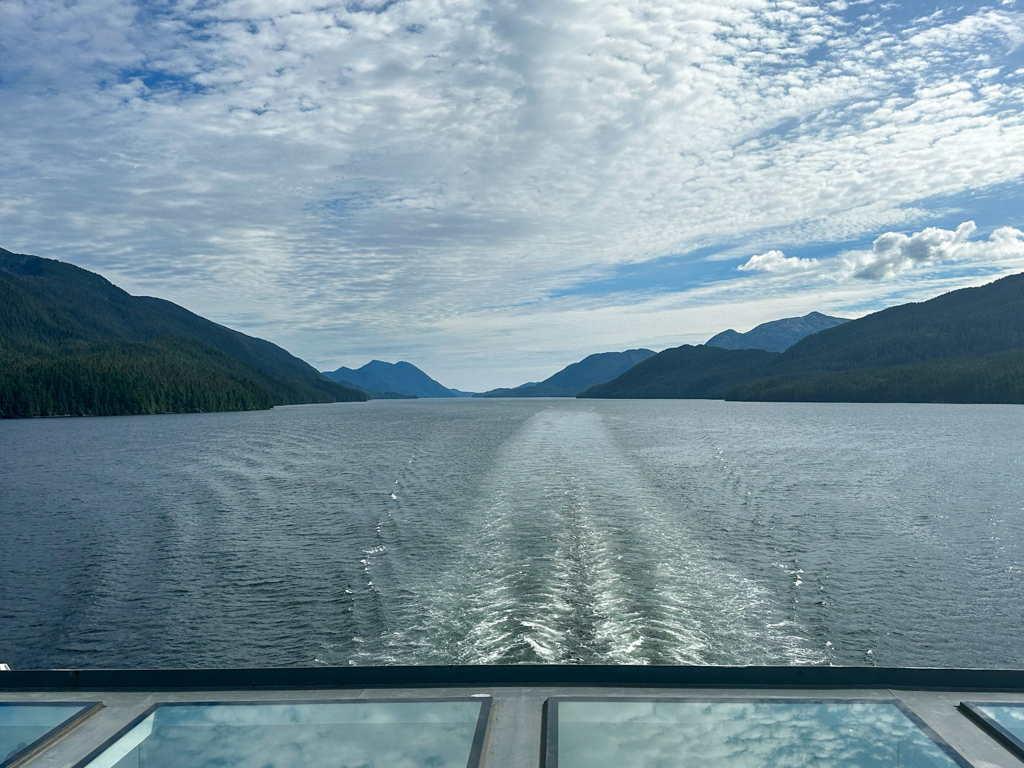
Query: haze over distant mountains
x=402 y=378
x=966 y=346
x=777 y=335
x=575 y=378
x=71 y=343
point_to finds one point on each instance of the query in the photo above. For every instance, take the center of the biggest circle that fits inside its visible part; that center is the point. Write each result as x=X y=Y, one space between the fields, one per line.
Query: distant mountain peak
x=777 y=335
x=402 y=377
x=966 y=346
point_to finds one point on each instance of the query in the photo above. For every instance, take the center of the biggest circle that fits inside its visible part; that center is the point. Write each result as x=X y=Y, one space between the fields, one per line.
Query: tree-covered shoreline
x=966 y=346
x=73 y=344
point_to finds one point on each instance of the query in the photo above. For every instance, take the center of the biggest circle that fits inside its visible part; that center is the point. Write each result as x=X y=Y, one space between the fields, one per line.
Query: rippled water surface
x=488 y=531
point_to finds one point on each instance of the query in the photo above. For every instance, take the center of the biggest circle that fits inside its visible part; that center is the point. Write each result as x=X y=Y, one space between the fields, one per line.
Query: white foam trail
x=571 y=558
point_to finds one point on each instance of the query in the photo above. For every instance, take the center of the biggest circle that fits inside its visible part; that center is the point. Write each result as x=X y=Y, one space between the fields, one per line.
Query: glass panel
x=772 y=734
x=23 y=724
x=400 y=734
x=1009 y=717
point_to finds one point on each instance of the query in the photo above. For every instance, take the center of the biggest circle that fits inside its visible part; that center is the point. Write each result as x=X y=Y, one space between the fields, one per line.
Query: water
x=490 y=531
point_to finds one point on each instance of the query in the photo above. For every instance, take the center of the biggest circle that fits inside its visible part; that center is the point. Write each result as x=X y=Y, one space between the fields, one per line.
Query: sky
x=493 y=189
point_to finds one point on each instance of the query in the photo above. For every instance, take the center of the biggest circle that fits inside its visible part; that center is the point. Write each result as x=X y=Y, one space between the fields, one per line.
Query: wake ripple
x=569 y=558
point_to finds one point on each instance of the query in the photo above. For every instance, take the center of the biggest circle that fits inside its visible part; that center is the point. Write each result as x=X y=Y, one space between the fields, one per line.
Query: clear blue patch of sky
x=990 y=208
x=379 y=7
x=666 y=274
x=152 y=15
x=346 y=203
x=157 y=80
x=900 y=13
x=1001 y=205
x=151 y=10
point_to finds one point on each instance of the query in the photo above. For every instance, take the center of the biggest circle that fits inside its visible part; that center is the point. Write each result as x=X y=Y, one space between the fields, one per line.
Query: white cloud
x=334 y=178
x=776 y=261
x=894 y=253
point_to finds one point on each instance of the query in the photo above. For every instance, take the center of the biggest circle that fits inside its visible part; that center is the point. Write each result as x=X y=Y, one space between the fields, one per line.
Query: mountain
x=970 y=322
x=403 y=378
x=777 y=335
x=687 y=372
x=995 y=378
x=966 y=346
x=507 y=391
x=575 y=378
x=72 y=343
x=379 y=395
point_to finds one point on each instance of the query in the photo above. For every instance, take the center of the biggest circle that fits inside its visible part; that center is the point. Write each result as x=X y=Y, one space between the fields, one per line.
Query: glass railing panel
x=730 y=733
x=1003 y=720
x=341 y=734
x=25 y=727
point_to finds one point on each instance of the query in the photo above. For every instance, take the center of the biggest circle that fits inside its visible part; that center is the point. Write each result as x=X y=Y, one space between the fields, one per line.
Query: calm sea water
x=487 y=531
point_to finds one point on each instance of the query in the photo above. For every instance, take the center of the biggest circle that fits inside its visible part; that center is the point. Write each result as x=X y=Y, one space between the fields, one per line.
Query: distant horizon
x=572 y=357
x=523 y=383
x=494 y=189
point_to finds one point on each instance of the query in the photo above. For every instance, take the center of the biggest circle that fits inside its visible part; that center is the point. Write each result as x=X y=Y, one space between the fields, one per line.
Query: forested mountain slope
x=574 y=379
x=687 y=372
x=970 y=322
x=72 y=343
x=966 y=346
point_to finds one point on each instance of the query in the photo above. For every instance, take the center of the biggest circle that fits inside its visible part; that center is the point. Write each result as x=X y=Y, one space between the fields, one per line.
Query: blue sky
x=492 y=189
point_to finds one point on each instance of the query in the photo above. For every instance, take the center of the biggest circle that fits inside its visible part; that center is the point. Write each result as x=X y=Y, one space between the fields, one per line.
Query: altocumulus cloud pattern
x=435 y=179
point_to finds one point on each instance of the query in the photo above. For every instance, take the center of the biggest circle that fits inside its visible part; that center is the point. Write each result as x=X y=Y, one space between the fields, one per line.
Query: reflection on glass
x=1009 y=716
x=748 y=734
x=357 y=734
x=1008 y=719
x=23 y=724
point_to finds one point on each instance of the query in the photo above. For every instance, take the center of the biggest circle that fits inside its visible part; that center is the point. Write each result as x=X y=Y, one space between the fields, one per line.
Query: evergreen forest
x=966 y=346
x=73 y=344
